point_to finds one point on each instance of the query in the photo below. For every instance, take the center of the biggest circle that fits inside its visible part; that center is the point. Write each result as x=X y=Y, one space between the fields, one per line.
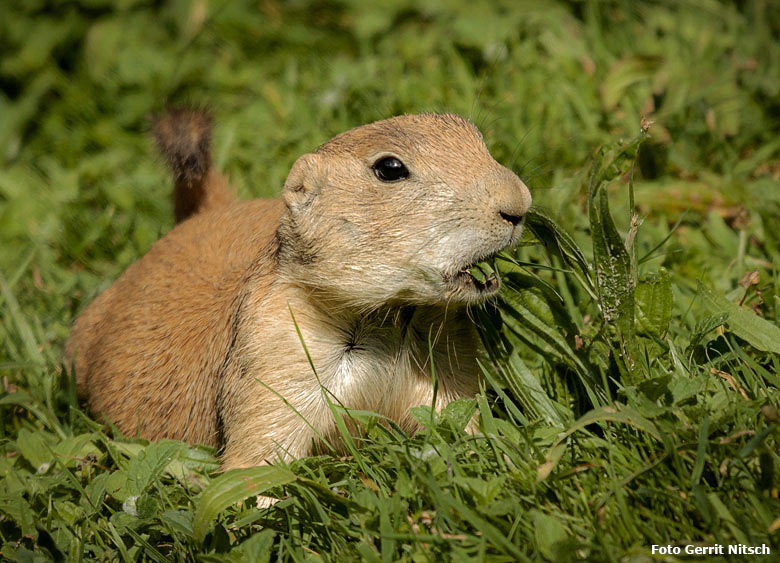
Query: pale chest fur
x=383 y=362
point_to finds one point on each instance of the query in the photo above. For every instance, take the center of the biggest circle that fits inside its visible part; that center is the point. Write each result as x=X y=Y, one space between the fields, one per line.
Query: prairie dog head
x=395 y=212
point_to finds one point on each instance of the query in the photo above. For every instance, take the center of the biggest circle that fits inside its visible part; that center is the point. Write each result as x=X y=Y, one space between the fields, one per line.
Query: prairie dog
x=368 y=248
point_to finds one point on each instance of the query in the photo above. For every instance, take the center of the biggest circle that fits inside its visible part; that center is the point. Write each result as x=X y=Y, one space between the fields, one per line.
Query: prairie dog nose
x=513 y=198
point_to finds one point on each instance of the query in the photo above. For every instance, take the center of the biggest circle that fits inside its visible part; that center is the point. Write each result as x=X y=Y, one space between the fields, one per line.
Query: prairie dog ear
x=304 y=181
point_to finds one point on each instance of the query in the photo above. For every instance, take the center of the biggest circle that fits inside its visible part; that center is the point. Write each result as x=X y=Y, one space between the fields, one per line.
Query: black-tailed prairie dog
x=368 y=249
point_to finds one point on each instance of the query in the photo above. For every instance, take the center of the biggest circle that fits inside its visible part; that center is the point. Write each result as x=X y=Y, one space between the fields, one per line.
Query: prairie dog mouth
x=480 y=279
x=475 y=281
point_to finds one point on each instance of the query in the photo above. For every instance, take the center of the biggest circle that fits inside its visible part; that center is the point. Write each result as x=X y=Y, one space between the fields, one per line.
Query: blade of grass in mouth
x=482 y=271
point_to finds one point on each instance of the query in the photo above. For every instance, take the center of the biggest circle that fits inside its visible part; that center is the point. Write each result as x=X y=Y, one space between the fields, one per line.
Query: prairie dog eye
x=390 y=169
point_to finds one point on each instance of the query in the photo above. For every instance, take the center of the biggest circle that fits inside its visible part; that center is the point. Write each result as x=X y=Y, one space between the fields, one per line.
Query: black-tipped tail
x=184 y=138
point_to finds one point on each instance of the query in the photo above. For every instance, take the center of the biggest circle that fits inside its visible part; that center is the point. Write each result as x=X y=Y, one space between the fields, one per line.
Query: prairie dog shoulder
x=367 y=252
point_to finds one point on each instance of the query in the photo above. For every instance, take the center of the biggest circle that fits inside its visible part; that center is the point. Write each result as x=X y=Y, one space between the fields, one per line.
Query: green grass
x=632 y=374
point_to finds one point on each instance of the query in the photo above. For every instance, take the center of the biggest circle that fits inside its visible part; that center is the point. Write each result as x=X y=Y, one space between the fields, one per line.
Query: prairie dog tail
x=184 y=138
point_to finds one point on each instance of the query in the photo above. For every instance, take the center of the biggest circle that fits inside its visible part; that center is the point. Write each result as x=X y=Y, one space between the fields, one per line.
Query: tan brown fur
x=196 y=340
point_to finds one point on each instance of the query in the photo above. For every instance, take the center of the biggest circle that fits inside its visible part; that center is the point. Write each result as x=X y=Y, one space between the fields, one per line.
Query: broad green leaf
x=75 y=449
x=116 y=485
x=68 y=511
x=35 y=447
x=613 y=270
x=180 y=521
x=459 y=412
x=147 y=466
x=549 y=533
x=256 y=549
x=19 y=511
x=743 y=322
x=557 y=240
x=614 y=279
x=232 y=487
x=654 y=300
x=147 y=506
x=683 y=388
